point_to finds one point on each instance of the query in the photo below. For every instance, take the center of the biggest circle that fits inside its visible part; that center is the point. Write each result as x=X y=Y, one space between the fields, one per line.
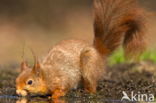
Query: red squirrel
x=116 y=23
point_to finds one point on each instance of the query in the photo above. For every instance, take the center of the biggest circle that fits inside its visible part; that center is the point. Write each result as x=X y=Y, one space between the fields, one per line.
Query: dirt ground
x=137 y=77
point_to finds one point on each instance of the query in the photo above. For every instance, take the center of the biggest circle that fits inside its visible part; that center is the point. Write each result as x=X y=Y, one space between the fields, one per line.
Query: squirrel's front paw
x=58 y=93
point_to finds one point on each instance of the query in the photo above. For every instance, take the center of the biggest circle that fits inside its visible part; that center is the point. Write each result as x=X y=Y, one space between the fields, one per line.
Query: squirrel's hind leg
x=89 y=86
x=92 y=68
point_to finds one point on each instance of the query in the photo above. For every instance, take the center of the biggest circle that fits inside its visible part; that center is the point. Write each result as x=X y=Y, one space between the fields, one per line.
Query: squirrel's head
x=30 y=80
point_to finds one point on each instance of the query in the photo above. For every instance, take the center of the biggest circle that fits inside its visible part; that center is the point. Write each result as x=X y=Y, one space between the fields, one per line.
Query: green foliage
x=118 y=57
x=149 y=55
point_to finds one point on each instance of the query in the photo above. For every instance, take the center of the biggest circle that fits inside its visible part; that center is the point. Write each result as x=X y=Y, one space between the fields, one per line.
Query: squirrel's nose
x=21 y=93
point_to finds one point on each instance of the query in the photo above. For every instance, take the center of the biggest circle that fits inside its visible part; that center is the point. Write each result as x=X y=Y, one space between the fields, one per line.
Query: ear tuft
x=24 y=65
x=37 y=64
x=37 y=68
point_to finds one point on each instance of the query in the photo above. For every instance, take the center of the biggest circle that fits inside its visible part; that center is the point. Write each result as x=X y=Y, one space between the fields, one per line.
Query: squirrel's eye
x=30 y=82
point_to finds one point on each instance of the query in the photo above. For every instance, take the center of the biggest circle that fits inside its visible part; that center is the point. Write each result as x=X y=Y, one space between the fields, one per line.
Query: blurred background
x=39 y=24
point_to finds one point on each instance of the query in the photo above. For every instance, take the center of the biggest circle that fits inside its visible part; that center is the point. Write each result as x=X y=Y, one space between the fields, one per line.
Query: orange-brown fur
x=117 y=22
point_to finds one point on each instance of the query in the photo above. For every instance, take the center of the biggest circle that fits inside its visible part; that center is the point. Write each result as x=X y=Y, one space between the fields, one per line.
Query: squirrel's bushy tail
x=118 y=22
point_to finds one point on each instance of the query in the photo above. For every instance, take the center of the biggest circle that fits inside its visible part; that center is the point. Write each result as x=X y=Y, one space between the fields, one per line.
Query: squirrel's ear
x=36 y=65
x=24 y=65
x=37 y=68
